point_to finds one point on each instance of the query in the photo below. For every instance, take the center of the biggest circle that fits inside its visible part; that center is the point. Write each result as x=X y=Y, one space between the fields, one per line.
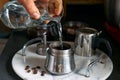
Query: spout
x=32 y=41
x=99 y=33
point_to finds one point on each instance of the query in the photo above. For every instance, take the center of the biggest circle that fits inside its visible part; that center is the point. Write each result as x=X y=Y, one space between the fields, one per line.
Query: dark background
x=92 y=14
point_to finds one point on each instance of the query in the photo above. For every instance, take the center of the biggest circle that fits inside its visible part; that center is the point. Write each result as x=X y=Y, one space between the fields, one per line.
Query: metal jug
x=87 y=41
x=60 y=60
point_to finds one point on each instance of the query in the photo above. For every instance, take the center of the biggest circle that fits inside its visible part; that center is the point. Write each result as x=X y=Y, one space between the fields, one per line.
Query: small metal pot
x=87 y=41
x=60 y=60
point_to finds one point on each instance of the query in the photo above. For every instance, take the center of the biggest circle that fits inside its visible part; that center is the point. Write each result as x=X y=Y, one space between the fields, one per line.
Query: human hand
x=55 y=7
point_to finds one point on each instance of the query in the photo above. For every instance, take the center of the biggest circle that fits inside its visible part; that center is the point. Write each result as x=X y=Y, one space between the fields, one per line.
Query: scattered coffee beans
x=34 y=70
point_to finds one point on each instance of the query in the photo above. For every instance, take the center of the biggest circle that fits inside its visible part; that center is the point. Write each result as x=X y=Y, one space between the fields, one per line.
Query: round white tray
x=100 y=71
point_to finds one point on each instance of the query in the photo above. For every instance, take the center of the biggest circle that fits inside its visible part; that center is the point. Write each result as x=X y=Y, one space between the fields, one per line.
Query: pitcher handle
x=32 y=41
x=106 y=42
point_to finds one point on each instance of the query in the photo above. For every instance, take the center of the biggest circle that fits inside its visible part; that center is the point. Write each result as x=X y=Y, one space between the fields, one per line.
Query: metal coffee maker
x=60 y=60
x=87 y=40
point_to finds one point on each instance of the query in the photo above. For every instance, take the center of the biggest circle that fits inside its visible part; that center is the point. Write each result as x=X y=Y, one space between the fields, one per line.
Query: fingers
x=55 y=7
x=31 y=8
x=59 y=7
x=44 y=1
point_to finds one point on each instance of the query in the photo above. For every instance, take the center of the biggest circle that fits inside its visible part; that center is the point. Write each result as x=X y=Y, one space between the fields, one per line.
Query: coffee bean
x=43 y=73
x=35 y=71
x=101 y=62
x=28 y=71
x=27 y=67
x=38 y=67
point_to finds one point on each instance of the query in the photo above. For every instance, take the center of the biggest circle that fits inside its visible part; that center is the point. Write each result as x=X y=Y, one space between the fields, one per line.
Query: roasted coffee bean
x=28 y=71
x=35 y=71
x=27 y=67
x=43 y=73
x=38 y=67
x=101 y=62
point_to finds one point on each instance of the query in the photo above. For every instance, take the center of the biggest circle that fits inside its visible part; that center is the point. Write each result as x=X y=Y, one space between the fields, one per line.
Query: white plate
x=99 y=72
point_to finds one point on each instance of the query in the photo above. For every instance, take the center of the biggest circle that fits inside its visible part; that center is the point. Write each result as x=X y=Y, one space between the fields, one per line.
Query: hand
x=55 y=7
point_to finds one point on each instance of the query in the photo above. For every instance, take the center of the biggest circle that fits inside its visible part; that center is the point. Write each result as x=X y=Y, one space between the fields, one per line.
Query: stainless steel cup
x=87 y=41
x=83 y=41
x=60 y=60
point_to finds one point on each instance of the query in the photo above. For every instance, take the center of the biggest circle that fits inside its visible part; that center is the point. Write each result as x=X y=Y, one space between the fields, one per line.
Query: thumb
x=31 y=8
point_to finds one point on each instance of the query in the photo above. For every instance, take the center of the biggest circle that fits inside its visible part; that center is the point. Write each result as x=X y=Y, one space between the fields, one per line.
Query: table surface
x=19 y=38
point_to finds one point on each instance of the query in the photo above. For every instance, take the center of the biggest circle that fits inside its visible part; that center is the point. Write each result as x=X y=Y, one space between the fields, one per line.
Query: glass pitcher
x=15 y=16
